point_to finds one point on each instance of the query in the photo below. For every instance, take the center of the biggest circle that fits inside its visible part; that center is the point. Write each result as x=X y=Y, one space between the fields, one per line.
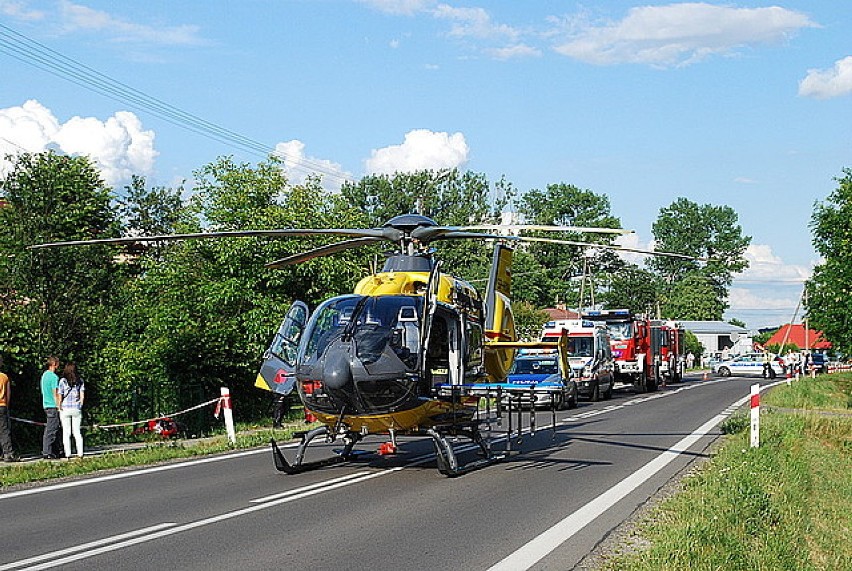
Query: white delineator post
x=229 y=415
x=755 y=415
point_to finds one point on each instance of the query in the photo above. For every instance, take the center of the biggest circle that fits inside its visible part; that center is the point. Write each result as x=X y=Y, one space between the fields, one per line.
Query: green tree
x=632 y=288
x=450 y=197
x=692 y=344
x=529 y=321
x=53 y=300
x=201 y=312
x=692 y=298
x=762 y=338
x=51 y=197
x=702 y=231
x=149 y=212
x=566 y=205
x=829 y=291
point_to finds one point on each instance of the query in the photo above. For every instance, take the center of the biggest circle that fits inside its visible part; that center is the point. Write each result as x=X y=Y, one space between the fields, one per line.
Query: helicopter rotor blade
x=391 y=234
x=456 y=235
x=426 y=234
x=321 y=251
x=539 y=227
x=614 y=247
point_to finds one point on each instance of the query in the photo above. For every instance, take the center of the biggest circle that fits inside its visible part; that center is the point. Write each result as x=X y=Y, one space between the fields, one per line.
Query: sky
x=741 y=104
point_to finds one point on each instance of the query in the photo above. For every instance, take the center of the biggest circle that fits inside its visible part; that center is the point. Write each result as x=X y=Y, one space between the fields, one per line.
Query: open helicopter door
x=279 y=361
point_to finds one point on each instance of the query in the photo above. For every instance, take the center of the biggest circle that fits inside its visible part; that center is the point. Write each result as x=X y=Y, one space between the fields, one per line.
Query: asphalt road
x=543 y=508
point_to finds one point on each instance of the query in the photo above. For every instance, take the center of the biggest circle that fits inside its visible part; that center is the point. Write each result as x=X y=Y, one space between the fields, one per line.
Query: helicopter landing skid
x=299 y=465
x=448 y=463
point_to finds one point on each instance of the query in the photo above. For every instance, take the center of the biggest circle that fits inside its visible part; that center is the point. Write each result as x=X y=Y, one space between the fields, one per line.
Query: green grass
x=152 y=453
x=825 y=392
x=785 y=505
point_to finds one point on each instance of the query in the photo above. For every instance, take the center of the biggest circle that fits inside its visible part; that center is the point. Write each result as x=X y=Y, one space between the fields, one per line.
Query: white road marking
x=128 y=474
x=638 y=400
x=84 y=546
x=123 y=541
x=174 y=529
x=305 y=488
x=534 y=551
x=581 y=518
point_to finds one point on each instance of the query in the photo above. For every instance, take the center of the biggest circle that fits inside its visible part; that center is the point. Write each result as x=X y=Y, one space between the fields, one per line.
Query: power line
x=33 y=53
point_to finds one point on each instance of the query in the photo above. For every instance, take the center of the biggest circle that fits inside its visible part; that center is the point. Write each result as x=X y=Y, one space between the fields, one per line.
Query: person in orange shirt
x=5 y=422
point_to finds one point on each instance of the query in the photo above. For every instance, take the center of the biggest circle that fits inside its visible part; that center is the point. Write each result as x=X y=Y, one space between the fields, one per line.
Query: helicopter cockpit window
x=286 y=340
x=474 y=346
x=387 y=320
x=373 y=322
x=329 y=321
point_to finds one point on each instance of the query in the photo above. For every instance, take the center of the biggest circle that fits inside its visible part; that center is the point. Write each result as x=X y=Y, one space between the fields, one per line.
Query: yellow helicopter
x=409 y=352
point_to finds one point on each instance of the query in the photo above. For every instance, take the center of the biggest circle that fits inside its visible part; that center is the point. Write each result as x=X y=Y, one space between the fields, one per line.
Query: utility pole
x=805 y=312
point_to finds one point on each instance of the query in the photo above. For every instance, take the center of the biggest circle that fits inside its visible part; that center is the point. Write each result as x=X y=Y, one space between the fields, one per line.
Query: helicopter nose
x=336 y=371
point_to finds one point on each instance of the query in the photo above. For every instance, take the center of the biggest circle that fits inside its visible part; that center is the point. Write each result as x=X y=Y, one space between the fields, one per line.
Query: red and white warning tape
x=218 y=401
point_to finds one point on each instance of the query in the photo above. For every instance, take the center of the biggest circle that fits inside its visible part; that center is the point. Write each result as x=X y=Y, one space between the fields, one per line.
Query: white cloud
x=766 y=267
x=400 y=7
x=19 y=11
x=678 y=34
x=473 y=22
x=742 y=299
x=28 y=128
x=633 y=241
x=514 y=51
x=119 y=146
x=767 y=293
x=421 y=150
x=825 y=84
x=298 y=167
x=76 y=17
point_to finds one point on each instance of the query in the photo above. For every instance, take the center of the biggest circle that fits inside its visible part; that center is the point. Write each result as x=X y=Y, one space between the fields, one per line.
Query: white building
x=716 y=336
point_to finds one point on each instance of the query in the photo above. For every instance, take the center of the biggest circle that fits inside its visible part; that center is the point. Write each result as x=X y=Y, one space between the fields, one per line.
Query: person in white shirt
x=71 y=392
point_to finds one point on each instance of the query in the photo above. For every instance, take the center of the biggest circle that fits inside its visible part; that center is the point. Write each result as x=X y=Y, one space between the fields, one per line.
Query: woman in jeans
x=71 y=393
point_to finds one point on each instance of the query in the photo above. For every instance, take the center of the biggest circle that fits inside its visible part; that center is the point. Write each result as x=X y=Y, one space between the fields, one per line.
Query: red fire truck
x=647 y=352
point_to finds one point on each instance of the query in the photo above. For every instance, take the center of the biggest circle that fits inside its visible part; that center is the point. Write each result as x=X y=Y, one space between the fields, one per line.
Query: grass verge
x=152 y=453
x=785 y=505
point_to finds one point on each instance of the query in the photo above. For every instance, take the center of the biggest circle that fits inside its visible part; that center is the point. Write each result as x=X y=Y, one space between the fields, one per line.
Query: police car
x=542 y=370
x=750 y=365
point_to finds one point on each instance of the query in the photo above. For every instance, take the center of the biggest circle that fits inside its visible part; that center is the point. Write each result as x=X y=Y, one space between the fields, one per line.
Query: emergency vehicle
x=589 y=354
x=542 y=369
x=647 y=352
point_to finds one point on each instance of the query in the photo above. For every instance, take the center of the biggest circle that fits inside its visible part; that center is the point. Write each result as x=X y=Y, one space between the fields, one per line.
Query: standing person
x=690 y=360
x=5 y=422
x=49 y=398
x=71 y=391
x=281 y=405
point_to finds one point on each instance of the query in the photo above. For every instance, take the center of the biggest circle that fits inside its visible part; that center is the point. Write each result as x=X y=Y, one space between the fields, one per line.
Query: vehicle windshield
x=534 y=367
x=378 y=321
x=581 y=346
x=620 y=331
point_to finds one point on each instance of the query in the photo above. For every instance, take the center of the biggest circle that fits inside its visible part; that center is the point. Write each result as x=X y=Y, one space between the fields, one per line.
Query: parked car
x=750 y=365
x=543 y=371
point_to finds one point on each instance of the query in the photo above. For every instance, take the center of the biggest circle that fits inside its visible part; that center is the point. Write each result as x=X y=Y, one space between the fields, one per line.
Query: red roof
x=556 y=313
x=797 y=336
